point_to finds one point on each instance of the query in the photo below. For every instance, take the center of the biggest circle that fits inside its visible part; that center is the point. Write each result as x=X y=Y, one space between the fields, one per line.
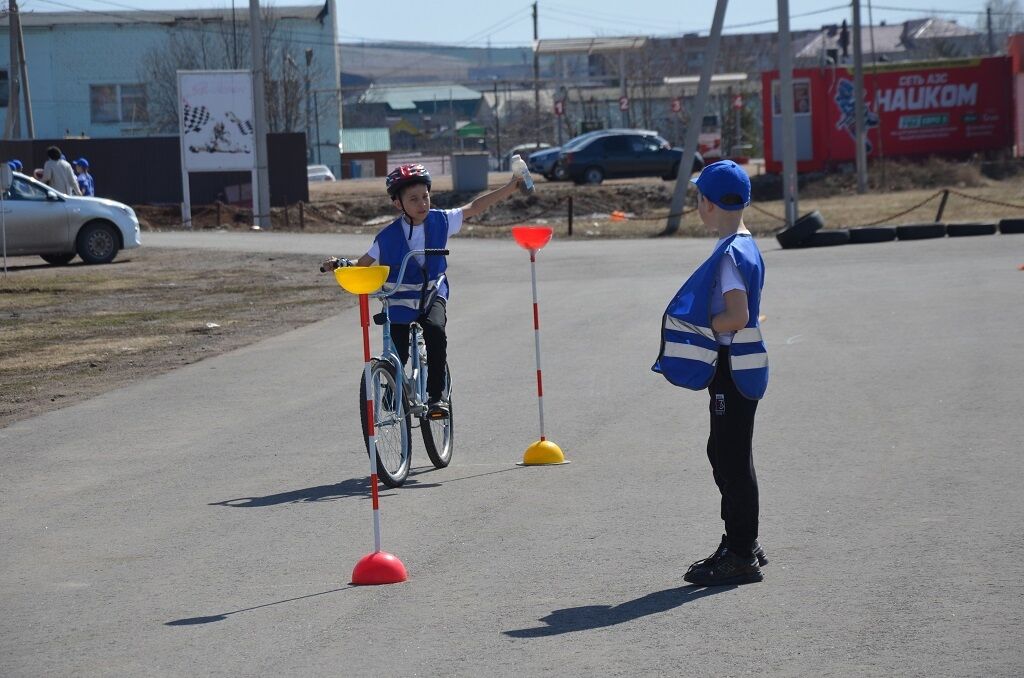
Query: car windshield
x=580 y=141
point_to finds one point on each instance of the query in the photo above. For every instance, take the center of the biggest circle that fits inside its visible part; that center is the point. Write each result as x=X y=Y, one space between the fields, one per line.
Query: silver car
x=39 y=220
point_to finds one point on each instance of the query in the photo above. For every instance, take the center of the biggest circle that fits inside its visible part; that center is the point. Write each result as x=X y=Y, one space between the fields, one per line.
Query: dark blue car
x=622 y=153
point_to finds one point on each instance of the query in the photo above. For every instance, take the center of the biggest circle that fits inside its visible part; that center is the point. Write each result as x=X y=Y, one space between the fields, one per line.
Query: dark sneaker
x=438 y=409
x=728 y=570
x=762 y=558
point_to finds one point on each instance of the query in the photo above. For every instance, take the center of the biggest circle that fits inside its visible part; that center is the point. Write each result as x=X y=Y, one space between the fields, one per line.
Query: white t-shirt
x=59 y=175
x=418 y=240
x=727 y=279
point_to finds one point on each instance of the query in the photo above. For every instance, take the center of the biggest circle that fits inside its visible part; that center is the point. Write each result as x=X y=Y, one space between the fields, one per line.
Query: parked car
x=522 y=150
x=623 y=153
x=543 y=162
x=39 y=220
x=319 y=173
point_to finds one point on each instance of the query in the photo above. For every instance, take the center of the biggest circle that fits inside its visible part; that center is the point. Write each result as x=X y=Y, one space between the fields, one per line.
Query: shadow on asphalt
x=192 y=621
x=598 y=616
x=353 y=487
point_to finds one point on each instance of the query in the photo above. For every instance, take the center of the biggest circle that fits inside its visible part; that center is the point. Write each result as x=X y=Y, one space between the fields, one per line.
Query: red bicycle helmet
x=406 y=175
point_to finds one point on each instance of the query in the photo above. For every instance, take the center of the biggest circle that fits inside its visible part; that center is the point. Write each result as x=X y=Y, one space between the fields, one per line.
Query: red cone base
x=378 y=568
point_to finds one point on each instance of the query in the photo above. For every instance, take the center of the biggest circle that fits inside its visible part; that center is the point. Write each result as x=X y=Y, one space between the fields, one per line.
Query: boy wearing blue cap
x=711 y=339
x=85 y=182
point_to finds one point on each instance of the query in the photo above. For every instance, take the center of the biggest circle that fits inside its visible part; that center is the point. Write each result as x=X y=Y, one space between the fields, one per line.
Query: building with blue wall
x=112 y=74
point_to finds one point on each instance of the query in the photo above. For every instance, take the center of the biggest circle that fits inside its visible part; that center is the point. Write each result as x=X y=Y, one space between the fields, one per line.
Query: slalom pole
x=378 y=567
x=543 y=452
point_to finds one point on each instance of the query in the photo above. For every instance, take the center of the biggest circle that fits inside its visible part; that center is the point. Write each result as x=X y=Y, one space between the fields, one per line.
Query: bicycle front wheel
x=438 y=435
x=390 y=423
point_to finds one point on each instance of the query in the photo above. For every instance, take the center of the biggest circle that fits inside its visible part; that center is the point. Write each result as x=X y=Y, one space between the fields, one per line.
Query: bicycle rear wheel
x=391 y=424
x=438 y=433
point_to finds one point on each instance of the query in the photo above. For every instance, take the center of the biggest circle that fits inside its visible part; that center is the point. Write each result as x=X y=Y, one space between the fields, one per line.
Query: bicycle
x=397 y=402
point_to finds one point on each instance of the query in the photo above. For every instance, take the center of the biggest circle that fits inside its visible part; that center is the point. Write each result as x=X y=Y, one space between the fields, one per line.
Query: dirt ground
x=73 y=332
x=628 y=208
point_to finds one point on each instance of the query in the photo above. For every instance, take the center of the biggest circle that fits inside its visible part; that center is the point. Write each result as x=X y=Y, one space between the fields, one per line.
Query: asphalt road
x=205 y=522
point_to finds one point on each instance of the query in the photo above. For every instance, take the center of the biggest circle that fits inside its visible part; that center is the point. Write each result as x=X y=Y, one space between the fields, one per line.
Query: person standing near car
x=85 y=181
x=57 y=173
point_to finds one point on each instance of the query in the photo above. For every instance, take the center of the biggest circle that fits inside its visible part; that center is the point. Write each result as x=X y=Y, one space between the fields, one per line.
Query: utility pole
x=309 y=112
x=261 y=182
x=789 y=173
x=497 y=126
x=860 y=133
x=234 y=38
x=988 y=24
x=536 y=76
x=12 y=126
x=30 y=124
x=697 y=116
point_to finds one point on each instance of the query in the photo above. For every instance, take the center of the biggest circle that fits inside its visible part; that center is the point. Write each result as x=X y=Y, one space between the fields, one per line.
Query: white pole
x=860 y=131
x=536 y=337
x=186 y=197
x=261 y=187
x=788 y=138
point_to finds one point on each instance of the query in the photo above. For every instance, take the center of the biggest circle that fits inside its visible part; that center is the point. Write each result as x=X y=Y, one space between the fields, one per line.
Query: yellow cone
x=543 y=453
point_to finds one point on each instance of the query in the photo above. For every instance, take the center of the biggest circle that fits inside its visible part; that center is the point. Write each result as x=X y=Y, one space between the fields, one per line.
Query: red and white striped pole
x=543 y=452
x=378 y=567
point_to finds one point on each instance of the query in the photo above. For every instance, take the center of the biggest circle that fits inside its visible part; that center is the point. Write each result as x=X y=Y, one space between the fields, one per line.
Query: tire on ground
x=837 y=236
x=867 y=234
x=971 y=228
x=1011 y=226
x=920 y=231
x=97 y=243
x=804 y=228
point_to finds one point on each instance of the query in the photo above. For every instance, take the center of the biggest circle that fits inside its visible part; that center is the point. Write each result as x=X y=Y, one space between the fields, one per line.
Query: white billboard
x=215 y=112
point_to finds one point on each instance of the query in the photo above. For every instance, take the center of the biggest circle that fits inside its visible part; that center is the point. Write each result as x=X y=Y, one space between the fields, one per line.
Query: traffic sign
x=623 y=103
x=559 y=108
x=737 y=101
x=677 y=105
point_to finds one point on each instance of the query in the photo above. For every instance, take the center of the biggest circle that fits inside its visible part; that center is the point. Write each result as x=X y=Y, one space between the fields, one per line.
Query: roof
x=406 y=98
x=165 y=16
x=888 y=38
x=591 y=45
x=365 y=140
x=716 y=79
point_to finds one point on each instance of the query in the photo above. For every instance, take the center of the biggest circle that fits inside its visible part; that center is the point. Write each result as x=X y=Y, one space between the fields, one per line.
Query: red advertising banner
x=954 y=107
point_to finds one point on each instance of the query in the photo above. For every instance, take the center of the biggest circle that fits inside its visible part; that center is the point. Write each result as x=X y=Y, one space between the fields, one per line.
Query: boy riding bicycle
x=423 y=294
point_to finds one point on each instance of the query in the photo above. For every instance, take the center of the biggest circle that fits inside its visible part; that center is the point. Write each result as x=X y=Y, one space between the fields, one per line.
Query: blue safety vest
x=689 y=350
x=421 y=284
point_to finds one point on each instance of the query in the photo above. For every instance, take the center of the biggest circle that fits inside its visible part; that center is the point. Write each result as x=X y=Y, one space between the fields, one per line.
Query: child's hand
x=329 y=264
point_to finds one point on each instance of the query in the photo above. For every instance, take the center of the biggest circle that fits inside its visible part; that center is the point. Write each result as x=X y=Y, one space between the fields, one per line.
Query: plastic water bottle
x=519 y=169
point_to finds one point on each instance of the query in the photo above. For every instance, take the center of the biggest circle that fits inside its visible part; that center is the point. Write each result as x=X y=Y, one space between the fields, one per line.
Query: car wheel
x=593 y=175
x=97 y=243
x=58 y=259
x=561 y=173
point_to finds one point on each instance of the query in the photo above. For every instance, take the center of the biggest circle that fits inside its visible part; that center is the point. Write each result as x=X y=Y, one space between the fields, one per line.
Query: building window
x=118 y=103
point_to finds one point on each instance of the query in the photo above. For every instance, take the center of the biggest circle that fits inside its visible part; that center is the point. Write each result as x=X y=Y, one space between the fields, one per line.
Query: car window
x=645 y=144
x=618 y=145
x=23 y=190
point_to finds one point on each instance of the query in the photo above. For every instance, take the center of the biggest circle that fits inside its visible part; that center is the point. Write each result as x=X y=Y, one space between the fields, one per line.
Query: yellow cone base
x=543 y=453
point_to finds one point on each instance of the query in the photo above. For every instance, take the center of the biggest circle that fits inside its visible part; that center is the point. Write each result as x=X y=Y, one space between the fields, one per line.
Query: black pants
x=434 y=336
x=731 y=456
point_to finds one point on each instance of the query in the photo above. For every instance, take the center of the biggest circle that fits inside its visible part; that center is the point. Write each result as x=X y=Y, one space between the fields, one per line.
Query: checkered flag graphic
x=244 y=126
x=195 y=119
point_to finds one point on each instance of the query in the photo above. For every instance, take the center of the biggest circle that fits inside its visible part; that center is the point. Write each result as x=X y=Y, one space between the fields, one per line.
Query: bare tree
x=212 y=45
x=1006 y=17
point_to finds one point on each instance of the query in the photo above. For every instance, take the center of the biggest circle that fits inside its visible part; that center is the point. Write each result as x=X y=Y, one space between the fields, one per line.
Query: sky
x=506 y=24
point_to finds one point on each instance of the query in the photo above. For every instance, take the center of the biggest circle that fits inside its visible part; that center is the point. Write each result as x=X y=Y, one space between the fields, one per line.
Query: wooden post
x=942 y=205
x=570 y=215
x=302 y=216
x=218 y=214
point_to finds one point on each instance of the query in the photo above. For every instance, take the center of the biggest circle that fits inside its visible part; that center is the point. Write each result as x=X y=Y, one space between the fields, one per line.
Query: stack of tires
x=806 y=232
